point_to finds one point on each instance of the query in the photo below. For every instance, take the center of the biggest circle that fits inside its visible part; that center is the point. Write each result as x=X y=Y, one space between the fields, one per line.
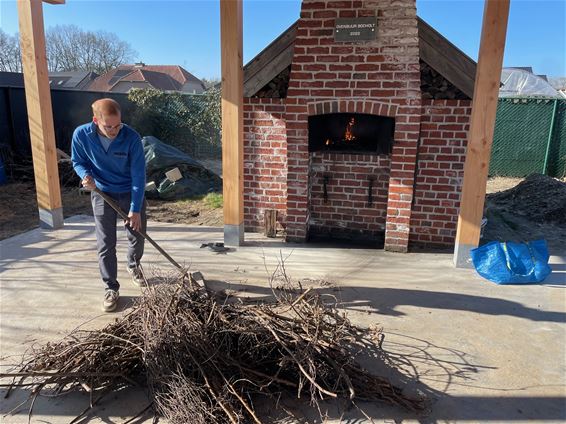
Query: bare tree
x=70 y=48
x=210 y=82
x=10 y=60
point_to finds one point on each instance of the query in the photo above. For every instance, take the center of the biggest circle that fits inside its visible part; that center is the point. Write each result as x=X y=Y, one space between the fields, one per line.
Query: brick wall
x=331 y=74
x=346 y=209
x=441 y=156
x=265 y=161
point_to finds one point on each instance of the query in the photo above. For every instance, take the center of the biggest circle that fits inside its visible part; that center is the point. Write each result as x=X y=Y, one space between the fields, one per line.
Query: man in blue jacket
x=109 y=155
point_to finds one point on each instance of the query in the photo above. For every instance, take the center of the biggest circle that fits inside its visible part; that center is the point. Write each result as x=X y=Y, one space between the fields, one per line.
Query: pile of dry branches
x=204 y=357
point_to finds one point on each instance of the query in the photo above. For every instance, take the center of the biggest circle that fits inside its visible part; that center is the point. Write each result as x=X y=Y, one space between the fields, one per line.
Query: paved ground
x=483 y=353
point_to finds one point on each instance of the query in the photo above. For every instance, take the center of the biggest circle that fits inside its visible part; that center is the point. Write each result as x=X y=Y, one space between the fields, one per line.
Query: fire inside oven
x=351 y=132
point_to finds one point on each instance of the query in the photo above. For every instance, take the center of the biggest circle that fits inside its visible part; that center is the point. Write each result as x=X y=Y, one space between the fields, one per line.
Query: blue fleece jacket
x=121 y=169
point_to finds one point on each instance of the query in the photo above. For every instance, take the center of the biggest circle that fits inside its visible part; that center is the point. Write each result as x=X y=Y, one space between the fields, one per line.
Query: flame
x=348 y=135
x=328 y=142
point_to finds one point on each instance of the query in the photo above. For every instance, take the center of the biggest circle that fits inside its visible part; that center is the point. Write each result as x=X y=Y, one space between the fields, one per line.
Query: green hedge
x=190 y=122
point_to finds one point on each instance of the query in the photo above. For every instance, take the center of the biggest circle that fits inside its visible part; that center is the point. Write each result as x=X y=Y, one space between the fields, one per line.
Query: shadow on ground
x=408 y=362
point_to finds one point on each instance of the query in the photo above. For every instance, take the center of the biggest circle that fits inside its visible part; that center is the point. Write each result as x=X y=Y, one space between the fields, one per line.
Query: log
x=270 y=222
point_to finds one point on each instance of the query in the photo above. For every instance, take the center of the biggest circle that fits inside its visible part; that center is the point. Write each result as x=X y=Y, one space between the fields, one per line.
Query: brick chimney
x=380 y=77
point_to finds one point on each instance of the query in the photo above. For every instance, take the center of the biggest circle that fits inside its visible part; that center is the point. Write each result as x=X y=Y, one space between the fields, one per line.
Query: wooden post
x=40 y=115
x=480 y=136
x=232 y=120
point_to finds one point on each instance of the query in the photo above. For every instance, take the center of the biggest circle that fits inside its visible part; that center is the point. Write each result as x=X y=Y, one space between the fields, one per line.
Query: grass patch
x=213 y=200
x=210 y=200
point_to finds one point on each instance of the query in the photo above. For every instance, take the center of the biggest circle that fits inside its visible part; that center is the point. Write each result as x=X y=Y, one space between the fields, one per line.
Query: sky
x=187 y=32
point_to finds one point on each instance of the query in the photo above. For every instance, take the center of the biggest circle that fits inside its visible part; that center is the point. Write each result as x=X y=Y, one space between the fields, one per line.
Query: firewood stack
x=277 y=87
x=435 y=86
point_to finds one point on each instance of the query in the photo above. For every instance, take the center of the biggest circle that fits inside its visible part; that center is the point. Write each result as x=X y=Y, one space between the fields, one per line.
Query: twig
x=202 y=358
x=306 y=374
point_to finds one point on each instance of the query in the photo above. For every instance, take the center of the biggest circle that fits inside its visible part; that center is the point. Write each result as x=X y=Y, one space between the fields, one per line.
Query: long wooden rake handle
x=124 y=216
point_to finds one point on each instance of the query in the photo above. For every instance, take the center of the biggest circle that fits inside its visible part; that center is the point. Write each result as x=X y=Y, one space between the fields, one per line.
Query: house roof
x=74 y=80
x=435 y=50
x=162 y=77
x=159 y=80
x=11 y=79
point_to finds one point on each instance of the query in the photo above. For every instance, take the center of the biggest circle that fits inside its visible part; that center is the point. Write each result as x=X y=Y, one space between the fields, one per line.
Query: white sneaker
x=137 y=276
x=110 y=300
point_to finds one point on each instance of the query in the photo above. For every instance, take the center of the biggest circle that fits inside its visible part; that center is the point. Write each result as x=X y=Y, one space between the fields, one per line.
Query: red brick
x=324 y=75
x=393 y=67
x=342 y=50
x=327 y=58
x=322 y=33
x=313 y=5
x=382 y=93
x=341 y=67
x=347 y=14
x=311 y=23
x=367 y=67
x=337 y=84
x=317 y=50
x=322 y=92
x=304 y=58
x=325 y=14
x=312 y=84
x=312 y=67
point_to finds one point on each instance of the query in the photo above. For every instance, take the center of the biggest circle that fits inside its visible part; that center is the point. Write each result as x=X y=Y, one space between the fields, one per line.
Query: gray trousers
x=105 y=225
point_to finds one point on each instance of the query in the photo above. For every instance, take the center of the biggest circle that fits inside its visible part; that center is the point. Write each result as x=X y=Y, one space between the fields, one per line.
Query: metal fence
x=188 y=122
x=530 y=137
x=530 y=134
x=72 y=108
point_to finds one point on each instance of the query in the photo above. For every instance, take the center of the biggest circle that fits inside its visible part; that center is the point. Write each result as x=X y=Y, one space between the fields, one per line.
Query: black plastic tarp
x=161 y=158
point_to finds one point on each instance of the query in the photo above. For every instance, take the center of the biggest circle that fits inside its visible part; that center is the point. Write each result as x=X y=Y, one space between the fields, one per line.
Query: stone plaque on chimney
x=355 y=29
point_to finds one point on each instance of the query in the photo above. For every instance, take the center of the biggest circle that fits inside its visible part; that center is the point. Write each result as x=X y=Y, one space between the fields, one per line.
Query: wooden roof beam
x=267 y=64
x=445 y=58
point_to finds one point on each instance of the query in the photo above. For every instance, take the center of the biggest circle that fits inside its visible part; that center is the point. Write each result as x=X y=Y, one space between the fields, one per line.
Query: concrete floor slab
x=482 y=352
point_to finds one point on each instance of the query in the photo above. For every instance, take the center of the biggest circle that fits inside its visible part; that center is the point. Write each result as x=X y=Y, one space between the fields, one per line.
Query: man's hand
x=134 y=221
x=88 y=182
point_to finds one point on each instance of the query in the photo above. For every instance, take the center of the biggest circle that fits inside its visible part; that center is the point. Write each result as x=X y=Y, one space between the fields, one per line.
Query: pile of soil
x=538 y=198
x=533 y=209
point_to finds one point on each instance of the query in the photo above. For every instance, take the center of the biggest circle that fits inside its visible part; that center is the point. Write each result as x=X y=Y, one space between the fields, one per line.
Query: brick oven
x=357 y=140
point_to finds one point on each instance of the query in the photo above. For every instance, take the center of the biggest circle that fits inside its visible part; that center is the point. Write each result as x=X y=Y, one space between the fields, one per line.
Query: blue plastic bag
x=512 y=263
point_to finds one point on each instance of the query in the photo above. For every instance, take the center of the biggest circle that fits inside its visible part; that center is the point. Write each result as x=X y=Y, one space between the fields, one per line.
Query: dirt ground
x=497 y=184
x=516 y=209
x=18 y=209
x=529 y=209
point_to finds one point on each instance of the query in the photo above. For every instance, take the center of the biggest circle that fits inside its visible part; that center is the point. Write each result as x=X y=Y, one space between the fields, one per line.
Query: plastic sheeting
x=161 y=157
x=521 y=83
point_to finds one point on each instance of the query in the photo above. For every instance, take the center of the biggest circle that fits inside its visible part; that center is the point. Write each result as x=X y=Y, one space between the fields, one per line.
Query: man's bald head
x=105 y=107
x=107 y=117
